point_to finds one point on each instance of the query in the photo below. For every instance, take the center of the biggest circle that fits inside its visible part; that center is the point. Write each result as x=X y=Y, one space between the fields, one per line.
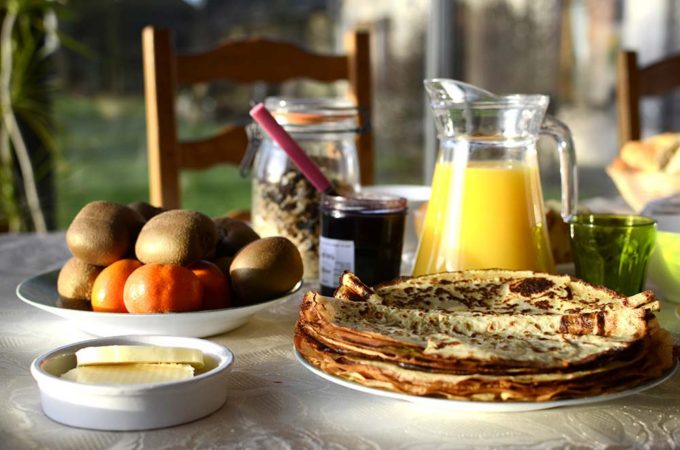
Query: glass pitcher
x=486 y=207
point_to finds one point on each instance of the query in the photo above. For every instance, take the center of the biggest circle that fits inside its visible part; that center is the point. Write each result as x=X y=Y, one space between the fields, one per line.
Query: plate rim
x=481 y=406
x=56 y=309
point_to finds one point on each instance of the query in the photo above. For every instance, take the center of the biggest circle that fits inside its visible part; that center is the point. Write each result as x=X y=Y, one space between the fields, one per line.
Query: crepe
x=649 y=363
x=538 y=341
x=499 y=291
x=484 y=335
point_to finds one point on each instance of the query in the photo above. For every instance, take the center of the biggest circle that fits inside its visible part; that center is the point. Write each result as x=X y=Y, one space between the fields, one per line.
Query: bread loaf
x=657 y=153
x=647 y=170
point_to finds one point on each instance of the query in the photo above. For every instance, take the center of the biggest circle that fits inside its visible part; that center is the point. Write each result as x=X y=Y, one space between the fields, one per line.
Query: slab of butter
x=139 y=354
x=129 y=373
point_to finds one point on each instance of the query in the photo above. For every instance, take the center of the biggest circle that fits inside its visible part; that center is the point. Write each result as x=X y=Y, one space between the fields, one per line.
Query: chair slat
x=159 y=88
x=661 y=77
x=360 y=76
x=628 y=97
x=634 y=82
x=259 y=60
x=228 y=146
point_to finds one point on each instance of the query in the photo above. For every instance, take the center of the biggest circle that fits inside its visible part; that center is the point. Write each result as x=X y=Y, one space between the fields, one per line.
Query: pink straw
x=308 y=168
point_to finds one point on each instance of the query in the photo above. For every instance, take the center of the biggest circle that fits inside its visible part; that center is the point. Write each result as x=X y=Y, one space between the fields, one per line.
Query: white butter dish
x=136 y=406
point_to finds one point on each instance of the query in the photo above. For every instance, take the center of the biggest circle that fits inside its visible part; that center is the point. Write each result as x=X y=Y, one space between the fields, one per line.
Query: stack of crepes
x=485 y=335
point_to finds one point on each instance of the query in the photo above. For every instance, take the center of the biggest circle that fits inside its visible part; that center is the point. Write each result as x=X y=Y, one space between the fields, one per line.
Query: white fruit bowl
x=131 y=407
x=40 y=291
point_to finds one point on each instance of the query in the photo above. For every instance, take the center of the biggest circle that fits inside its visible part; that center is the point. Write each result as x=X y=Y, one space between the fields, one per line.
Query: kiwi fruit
x=76 y=278
x=80 y=305
x=145 y=209
x=233 y=235
x=265 y=269
x=103 y=232
x=223 y=262
x=240 y=214
x=178 y=236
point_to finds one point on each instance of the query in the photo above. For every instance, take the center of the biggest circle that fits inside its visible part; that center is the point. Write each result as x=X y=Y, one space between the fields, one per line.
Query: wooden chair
x=634 y=82
x=244 y=61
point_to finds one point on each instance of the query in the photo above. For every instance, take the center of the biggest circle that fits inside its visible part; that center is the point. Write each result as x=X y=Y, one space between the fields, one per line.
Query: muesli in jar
x=284 y=202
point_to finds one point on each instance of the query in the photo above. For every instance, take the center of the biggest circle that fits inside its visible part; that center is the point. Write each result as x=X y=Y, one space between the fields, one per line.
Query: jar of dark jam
x=362 y=233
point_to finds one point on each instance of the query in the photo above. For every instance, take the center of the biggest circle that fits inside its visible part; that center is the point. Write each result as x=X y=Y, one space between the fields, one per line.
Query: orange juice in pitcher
x=486 y=207
x=492 y=218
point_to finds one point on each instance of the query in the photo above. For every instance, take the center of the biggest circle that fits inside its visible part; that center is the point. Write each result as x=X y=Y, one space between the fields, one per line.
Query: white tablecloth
x=274 y=403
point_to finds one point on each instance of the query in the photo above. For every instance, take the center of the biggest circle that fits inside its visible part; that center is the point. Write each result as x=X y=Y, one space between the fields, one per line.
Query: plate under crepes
x=479 y=406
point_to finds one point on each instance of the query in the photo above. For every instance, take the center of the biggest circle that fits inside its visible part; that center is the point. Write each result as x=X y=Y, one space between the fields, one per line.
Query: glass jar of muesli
x=284 y=202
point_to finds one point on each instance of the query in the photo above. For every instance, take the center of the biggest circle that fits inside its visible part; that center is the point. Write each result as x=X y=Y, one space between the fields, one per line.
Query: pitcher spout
x=461 y=109
x=445 y=91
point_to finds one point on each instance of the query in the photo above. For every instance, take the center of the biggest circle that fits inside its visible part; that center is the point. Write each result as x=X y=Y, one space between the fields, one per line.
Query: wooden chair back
x=634 y=82
x=245 y=61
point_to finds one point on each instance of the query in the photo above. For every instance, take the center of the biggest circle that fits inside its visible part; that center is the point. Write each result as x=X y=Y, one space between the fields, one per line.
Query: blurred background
x=76 y=83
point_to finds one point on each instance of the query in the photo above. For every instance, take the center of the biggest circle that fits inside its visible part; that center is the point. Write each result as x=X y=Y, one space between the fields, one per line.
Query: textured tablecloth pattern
x=274 y=403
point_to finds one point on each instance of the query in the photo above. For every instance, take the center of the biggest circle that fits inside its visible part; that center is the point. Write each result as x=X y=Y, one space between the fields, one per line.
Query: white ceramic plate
x=412 y=192
x=41 y=291
x=133 y=406
x=496 y=407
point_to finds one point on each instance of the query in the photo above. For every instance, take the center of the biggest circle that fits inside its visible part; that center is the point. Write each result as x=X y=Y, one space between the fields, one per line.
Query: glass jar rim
x=364 y=203
x=314 y=115
x=611 y=220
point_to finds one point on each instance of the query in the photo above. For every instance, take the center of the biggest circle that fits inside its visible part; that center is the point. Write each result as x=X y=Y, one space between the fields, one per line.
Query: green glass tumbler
x=612 y=250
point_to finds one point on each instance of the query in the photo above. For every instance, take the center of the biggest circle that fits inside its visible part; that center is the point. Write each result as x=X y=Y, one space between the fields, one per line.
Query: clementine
x=162 y=288
x=216 y=292
x=107 y=290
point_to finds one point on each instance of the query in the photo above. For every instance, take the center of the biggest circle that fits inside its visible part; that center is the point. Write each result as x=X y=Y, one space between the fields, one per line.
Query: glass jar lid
x=314 y=115
x=364 y=203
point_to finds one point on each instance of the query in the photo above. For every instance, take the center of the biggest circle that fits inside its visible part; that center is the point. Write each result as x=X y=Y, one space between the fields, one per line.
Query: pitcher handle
x=568 y=175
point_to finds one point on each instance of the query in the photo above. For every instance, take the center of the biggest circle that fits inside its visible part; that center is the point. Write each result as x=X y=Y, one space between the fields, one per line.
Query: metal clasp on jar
x=254 y=141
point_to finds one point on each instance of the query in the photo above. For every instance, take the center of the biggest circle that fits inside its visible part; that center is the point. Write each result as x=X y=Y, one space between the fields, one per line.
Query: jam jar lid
x=313 y=115
x=364 y=203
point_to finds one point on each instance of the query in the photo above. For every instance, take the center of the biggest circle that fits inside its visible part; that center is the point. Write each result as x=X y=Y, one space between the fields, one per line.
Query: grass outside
x=103 y=157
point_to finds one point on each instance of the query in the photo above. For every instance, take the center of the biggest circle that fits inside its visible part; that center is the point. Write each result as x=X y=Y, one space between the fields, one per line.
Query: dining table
x=274 y=402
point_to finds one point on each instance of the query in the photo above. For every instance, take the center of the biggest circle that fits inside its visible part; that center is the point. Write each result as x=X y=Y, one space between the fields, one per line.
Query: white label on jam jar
x=335 y=256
